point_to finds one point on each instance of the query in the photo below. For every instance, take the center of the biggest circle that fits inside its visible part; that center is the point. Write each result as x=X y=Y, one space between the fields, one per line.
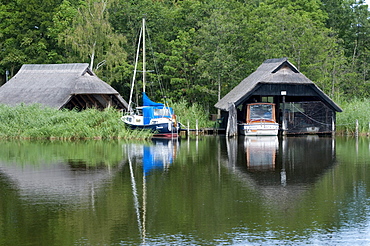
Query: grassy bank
x=355 y=109
x=35 y=122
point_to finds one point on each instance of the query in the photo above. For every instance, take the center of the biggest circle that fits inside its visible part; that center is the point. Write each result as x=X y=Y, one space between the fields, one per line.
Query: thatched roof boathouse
x=60 y=86
x=301 y=106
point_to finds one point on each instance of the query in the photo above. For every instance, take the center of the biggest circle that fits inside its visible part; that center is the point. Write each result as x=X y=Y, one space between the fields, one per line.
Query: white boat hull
x=159 y=126
x=259 y=129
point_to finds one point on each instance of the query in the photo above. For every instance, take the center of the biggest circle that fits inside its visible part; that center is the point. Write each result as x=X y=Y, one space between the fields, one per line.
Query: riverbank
x=36 y=122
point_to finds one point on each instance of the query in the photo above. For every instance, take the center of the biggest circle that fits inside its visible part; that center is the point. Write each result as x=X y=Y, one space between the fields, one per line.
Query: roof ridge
x=55 y=68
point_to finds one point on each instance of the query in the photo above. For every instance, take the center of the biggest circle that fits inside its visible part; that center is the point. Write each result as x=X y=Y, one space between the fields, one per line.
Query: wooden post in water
x=196 y=127
x=188 y=130
x=356 y=131
x=283 y=124
x=332 y=126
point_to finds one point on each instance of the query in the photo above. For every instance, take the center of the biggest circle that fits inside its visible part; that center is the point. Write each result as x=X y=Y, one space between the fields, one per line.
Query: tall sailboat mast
x=142 y=33
x=144 y=65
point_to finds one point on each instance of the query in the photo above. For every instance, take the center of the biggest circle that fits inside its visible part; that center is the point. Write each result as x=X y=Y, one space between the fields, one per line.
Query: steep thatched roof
x=57 y=85
x=272 y=71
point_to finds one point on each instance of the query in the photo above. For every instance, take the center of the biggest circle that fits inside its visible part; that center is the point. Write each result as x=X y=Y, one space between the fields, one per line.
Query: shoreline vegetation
x=37 y=122
x=354 y=110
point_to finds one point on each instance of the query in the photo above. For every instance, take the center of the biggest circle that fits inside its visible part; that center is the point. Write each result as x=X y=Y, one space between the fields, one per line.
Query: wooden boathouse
x=301 y=107
x=71 y=86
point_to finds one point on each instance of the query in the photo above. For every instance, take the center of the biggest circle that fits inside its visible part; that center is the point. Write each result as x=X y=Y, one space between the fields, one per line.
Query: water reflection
x=261 y=152
x=59 y=172
x=158 y=154
x=281 y=169
x=288 y=160
x=204 y=191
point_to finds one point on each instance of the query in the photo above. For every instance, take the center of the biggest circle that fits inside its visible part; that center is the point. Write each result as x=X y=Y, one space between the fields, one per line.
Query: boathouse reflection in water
x=283 y=160
x=280 y=169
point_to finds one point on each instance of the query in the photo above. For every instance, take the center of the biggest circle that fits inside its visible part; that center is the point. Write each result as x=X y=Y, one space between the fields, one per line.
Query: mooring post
x=332 y=126
x=356 y=131
x=283 y=124
x=196 y=127
x=188 y=130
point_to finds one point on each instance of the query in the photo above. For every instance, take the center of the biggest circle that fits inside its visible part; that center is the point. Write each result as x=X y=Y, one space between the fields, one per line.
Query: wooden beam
x=82 y=105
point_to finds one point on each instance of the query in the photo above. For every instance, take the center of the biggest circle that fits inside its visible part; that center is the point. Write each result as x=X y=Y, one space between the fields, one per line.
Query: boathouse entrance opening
x=296 y=115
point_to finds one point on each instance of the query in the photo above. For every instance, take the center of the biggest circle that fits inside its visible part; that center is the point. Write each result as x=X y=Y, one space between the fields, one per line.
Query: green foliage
x=190 y=113
x=201 y=49
x=91 y=34
x=20 y=123
x=355 y=109
x=24 y=35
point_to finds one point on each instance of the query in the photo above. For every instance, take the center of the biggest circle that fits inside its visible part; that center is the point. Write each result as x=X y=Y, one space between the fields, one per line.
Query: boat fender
x=170 y=126
x=174 y=120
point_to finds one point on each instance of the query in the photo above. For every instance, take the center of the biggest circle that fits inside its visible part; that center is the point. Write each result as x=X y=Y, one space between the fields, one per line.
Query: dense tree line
x=202 y=48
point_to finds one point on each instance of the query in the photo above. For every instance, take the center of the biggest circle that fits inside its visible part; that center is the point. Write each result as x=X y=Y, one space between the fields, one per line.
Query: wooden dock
x=203 y=131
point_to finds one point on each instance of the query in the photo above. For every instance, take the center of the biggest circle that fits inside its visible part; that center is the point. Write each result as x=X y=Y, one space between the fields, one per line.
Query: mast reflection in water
x=155 y=155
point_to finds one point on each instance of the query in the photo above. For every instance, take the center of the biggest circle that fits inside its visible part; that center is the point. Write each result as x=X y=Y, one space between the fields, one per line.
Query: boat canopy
x=153 y=112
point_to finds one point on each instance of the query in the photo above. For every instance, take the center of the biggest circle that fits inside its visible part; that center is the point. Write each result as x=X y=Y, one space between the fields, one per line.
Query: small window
x=268 y=99
x=260 y=111
x=162 y=112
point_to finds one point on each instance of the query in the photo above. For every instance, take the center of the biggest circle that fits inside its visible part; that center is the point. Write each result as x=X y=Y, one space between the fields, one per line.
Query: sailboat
x=156 y=117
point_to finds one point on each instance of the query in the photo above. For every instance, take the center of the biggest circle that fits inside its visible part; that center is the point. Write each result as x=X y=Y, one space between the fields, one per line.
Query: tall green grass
x=354 y=109
x=187 y=112
x=36 y=122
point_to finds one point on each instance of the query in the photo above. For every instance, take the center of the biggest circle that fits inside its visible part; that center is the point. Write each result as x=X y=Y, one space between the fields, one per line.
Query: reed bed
x=355 y=109
x=191 y=113
x=36 y=122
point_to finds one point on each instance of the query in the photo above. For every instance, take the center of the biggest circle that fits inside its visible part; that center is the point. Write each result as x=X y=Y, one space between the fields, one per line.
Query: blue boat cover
x=148 y=102
x=152 y=110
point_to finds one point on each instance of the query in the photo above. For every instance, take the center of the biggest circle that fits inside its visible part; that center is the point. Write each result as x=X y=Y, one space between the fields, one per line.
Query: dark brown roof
x=54 y=85
x=271 y=71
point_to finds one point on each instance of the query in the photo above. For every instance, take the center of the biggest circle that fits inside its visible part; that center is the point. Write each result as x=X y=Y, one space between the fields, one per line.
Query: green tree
x=171 y=26
x=24 y=34
x=273 y=32
x=91 y=35
x=350 y=20
x=219 y=42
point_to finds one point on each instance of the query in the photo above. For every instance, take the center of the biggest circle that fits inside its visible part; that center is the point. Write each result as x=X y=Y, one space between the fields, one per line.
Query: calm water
x=206 y=191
